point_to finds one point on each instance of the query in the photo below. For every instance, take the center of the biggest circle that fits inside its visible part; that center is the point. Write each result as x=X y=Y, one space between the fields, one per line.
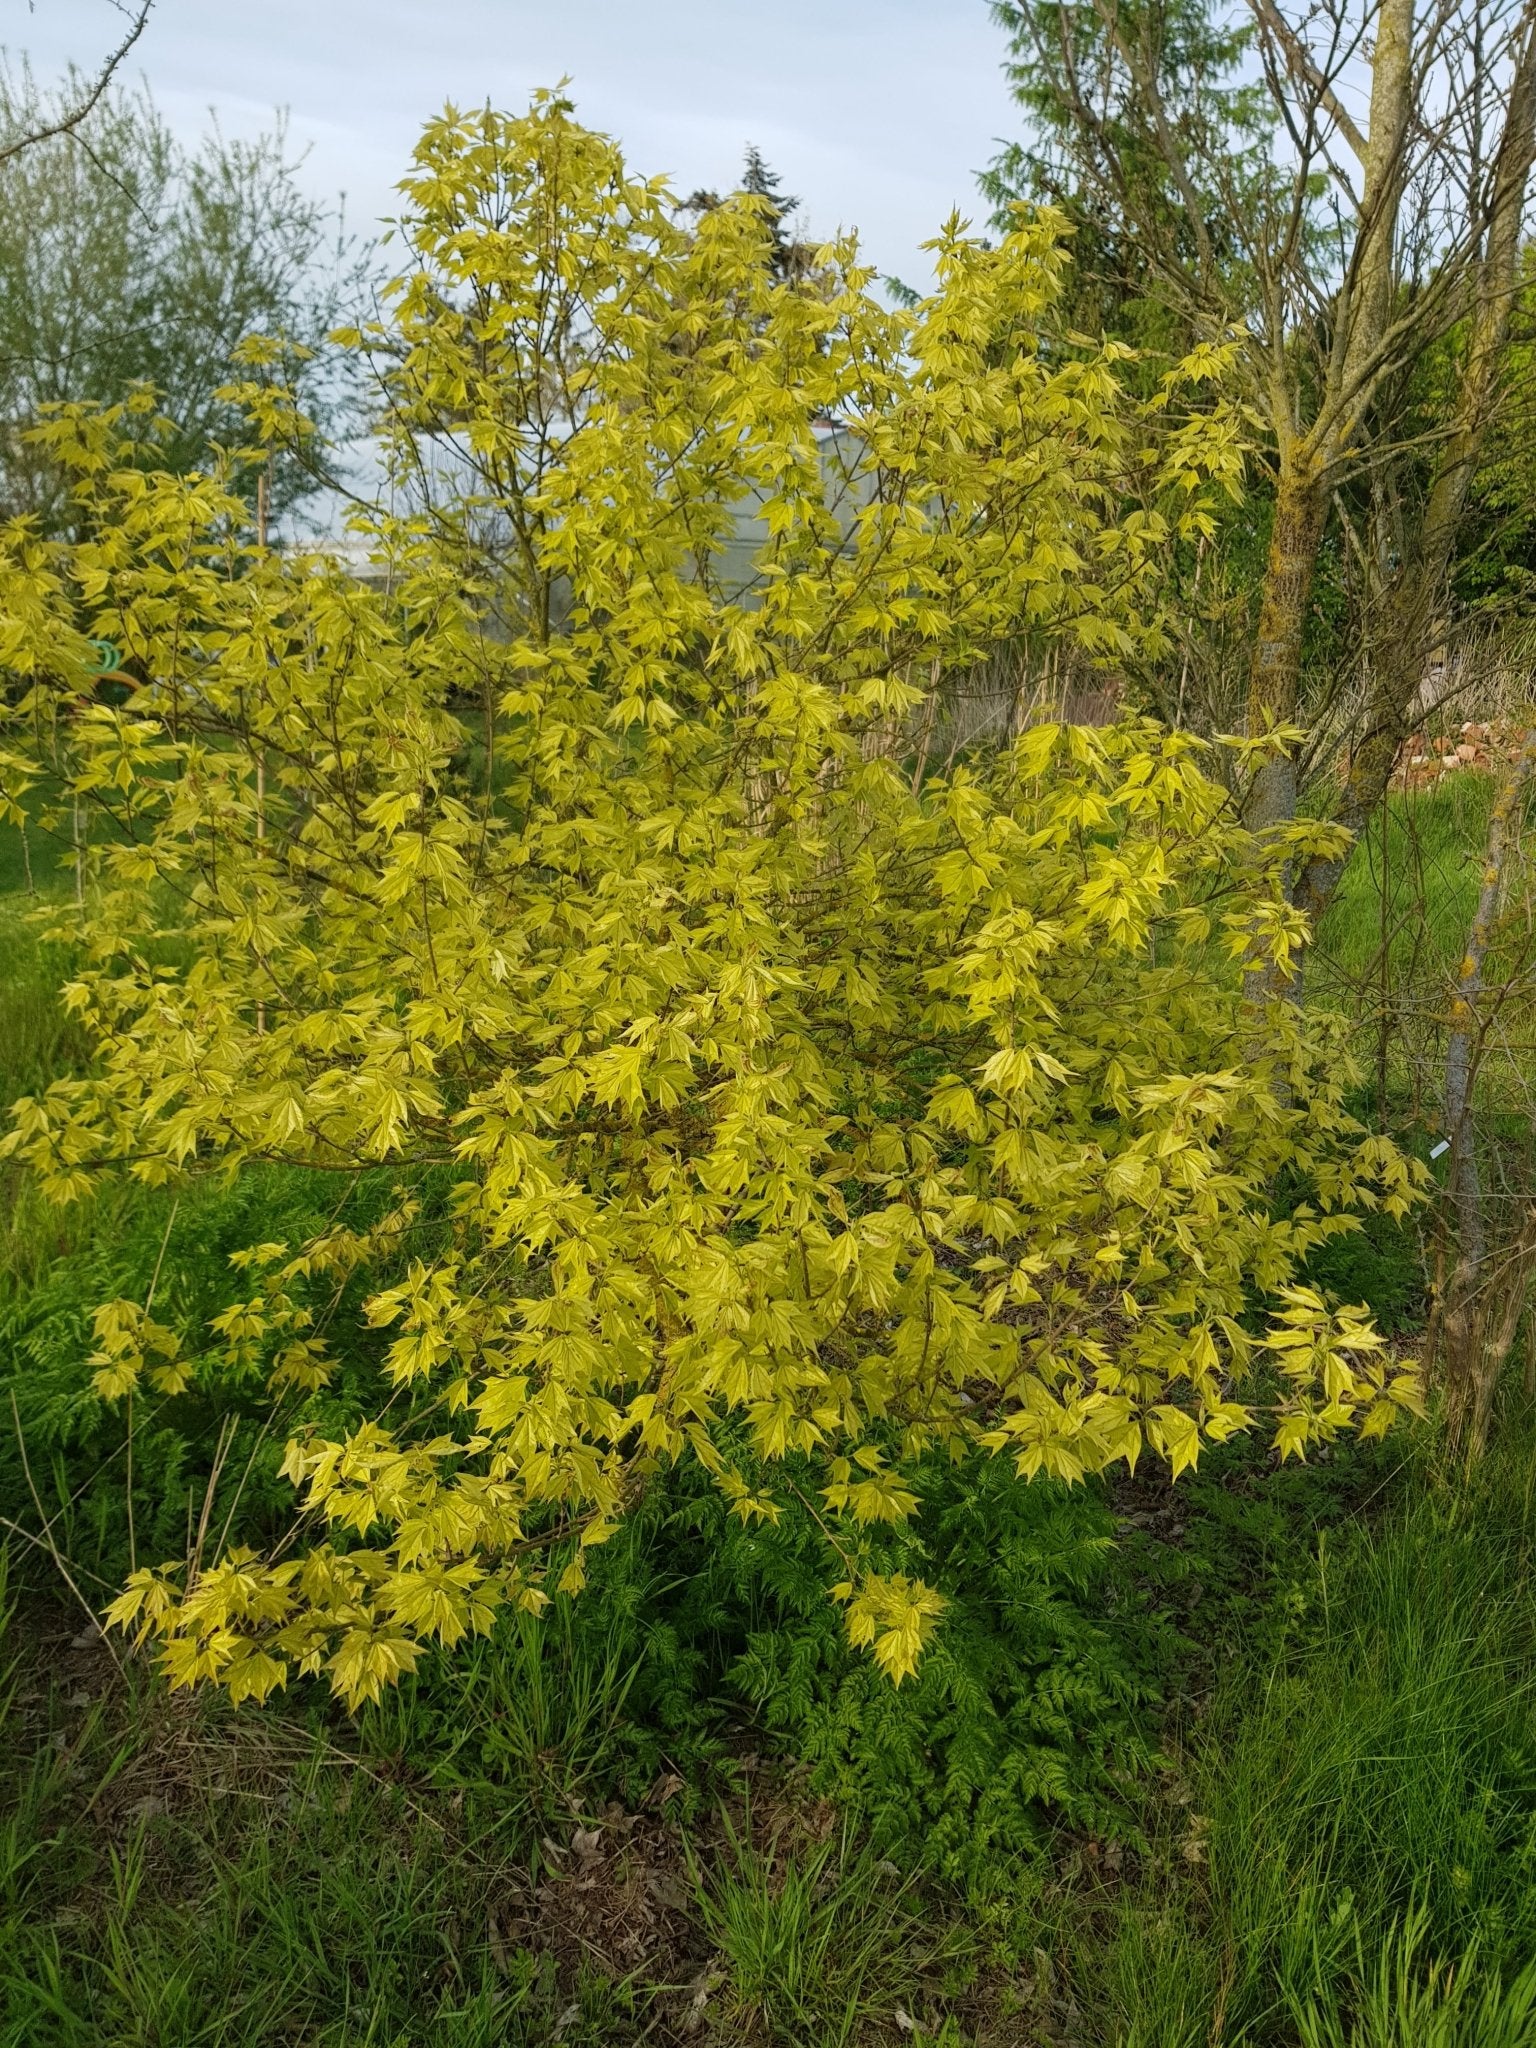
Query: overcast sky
x=877 y=113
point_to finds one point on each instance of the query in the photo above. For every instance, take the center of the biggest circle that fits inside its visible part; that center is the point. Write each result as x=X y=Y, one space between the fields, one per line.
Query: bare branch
x=67 y=123
x=1173 y=157
x=1303 y=69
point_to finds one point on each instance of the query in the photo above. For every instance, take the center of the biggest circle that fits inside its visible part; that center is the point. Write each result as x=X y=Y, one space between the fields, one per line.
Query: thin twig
x=37 y=1543
x=67 y=123
x=226 y=1437
x=149 y=1302
x=59 y=1565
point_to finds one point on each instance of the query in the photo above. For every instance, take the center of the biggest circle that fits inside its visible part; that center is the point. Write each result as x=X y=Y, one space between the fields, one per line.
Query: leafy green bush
x=802 y=1102
x=1382 y=1264
x=1031 y=1705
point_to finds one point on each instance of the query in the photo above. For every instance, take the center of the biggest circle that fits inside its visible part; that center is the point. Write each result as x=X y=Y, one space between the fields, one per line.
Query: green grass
x=174 y=1873
x=1407 y=895
x=1340 y=1843
x=1363 y=1798
x=1390 y=945
x=1405 y=1996
x=168 y=1877
x=807 y=1937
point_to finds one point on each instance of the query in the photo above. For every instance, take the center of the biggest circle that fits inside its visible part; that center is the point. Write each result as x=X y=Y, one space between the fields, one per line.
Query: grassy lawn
x=1391 y=945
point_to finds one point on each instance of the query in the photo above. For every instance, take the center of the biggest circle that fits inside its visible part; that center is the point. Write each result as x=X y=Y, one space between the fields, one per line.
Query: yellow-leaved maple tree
x=749 y=1090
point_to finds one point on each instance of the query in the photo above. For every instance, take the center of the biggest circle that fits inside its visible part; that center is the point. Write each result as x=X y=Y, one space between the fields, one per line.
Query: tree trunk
x=1472 y=1364
x=1366 y=296
x=1409 y=608
x=1397 y=672
x=1274 y=687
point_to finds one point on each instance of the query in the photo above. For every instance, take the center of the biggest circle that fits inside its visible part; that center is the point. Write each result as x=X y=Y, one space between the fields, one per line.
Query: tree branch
x=1145 y=75
x=67 y=123
x=1300 y=64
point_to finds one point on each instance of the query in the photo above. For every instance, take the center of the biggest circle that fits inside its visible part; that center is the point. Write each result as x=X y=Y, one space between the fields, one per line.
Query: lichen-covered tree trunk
x=1307 y=462
x=1290 y=571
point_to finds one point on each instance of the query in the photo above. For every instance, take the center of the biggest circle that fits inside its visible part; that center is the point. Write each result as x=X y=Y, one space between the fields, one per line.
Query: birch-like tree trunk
x=1472 y=1362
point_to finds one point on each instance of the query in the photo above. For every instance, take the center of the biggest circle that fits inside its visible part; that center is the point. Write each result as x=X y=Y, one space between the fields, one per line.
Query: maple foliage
x=803 y=1106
